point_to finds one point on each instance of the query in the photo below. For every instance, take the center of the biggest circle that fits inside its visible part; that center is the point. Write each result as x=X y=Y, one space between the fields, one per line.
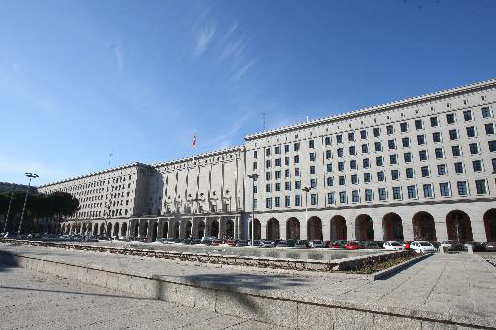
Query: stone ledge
x=385 y=273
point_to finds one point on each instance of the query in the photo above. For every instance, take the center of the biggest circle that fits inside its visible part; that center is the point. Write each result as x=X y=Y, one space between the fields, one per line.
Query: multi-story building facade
x=420 y=168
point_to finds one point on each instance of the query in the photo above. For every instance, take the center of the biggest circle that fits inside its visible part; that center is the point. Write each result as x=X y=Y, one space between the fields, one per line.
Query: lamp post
x=254 y=177
x=306 y=190
x=30 y=176
x=8 y=211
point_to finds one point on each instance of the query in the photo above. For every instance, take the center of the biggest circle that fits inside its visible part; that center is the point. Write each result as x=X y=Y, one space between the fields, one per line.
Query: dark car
x=371 y=245
x=476 y=246
x=281 y=243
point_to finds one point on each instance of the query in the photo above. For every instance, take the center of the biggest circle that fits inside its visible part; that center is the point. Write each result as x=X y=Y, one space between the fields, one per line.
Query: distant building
x=420 y=168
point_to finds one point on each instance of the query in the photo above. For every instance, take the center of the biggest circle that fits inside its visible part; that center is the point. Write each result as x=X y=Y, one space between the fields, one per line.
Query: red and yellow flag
x=194 y=140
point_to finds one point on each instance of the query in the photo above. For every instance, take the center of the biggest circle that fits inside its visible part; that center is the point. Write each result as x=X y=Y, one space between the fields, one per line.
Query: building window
x=391 y=144
x=486 y=112
x=408 y=157
x=425 y=171
x=268 y=203
x=278 y=186
x=467 y=115
x=327 y=140
x=354 y=178
x=278 y=161
x=287 y=201
x=409 y=173
x=312 y=156
x=377 y=146
x=458 y=167
x=477 y=165
x=339 y=138
x=368 y=195
x=389 y=129
x=287 y=185
x=329 y=168
x=297 y=200
x=267 y=152
x=380 y=176
x=434 y=122
x=352 y=150
x=255 y=190
x=436 y=137
x=330 y=181
x=492 y=146
x=342 y=197
x=439 y=153
x=366 y=163
x=298 y=184
x=471 y=131
x=441 y=169
x=382 y=194
x=340 y=152
x=462 y=188
x=376 y=131
x=351 y=136
x=444 y=189
x=455 y=150
x=255 y=155
x=255 y=165
x=427 y=190
x=311 y=144
x=296 y=146
x=405 y=142
x=378 y=161
x=423 y=155
x=312 y=169
x=395 y=175
x=450 y=118
x=421 y=139
x=480 y=186
x=403 y=127
x=267 y=163
x=267 y=175
x=494 y=164
x=286 y=148
x=355 y=197
x=453 y=134
x=313 y=183
x=330 y=198
x=393 y=159
x=419 y=124
x=313 y=199
x=342 y=180
x=341 y=166
x=277 y=150
x=286 y=173
x=396 y=193
x=412 y=192
x=267 y=187
x=363 y=134
x=367 y=177
x=277 y=201
x=286 y=161
x=328 y=154
x=353 y=164
x=474 y=148
x=489 y=128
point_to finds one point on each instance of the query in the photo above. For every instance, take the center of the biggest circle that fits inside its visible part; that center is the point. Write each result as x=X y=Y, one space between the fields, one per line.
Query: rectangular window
x=419 y=124
x=395 y=175
x=493 y=161
x=267 y=151
x=486 y=112
x=255 y=155
x=287 y=185
x=393 y=159
x=458 y=167
x=408 y=157
x=286 y=161
x=420 y=139
x=453 y=134
x=353 y=164
x=277 y=201
x=330 y=181
x=412 y=192
x=441 y=169
x=296 y=146
x=339 y=138
x=455 y=150
x=330 y=198
x=286 y=173
x=423 y=155
x=255 y=165
x=365 y=148
x=471 y=131
x=313 y=183
x=352 y=150
x=377 y=131
x=327 y=140
x=427 y=190
x=436 y=137
x=450 y=118
x=382 y=194
x=366 y=163
x=405 y=142
x=267 y=187
x=434 y=122
x=368 y=195
x=342 y=180
x=444 y=189
x=341 y=166
x=278 y=175
x=363 y=134
x=467 y=115
x=286 y=148
x=378 y=161
x=268 y=176
x=340 y=152
x=439 y=153
x=312 y=169
x=377 y=146
x=328 y=154
x=355 y=197
x=474 y=148
x=267 y=163
x=278 y=186
x=342 y=197
x=396 y=193
x=297 y=200
x=298 y=184
x=312 y=156
x=366 y=177
x=278 y=161
x=287 y=201
x=380 y=176
x=311 y=144
x=354 y=178
x=389 y=129
x=462 y=188
x=489 y=128
x=477 y=165
x=329 y=168
x=492 y=146
x=409 y=173
x=313 y=199
x=391 y=144
x=296 y=159
x=268 y=203
x=404 y=127
x=480 y=186
x=351 y=136
x=425 y=171
x=277 y=150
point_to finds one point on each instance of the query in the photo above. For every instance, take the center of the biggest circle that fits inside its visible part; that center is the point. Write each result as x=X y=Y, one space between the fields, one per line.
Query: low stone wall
x=274 y=309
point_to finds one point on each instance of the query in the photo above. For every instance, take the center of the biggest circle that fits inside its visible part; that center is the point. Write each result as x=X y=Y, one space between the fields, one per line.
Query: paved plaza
x=32 y=300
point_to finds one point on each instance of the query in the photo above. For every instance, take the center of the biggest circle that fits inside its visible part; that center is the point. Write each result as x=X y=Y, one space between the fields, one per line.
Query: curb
x=388 y=272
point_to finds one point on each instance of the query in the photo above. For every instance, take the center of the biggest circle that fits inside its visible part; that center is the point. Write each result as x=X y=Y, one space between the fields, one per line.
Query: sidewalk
x=441 y=285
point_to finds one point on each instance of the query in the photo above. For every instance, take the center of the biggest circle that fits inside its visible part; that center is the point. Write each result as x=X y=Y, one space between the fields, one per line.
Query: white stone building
x=420 y=168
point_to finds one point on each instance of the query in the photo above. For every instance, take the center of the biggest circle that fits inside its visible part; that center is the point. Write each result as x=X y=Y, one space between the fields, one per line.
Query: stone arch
x=136 y=229
x=490 y=225
x=273 y=229
x=339 y=230
x=214 y=230
x=229 y=229
x=459 y=226
x=102 y=229
x=175 y=230
x=258 y=230
x=364 y=228
x=200 y=229
x=293 y=229
x=424 y=227
x=154 y=231
x=392 y=227
x=314 y=229
x=188 y=229
x=116 y=230
x=109 y=229
x=124 y=229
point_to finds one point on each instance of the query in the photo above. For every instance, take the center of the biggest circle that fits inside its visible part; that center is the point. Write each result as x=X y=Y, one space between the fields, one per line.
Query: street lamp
x=30 y=176
x=254 y=177
x=306 y=190
x=8 y=211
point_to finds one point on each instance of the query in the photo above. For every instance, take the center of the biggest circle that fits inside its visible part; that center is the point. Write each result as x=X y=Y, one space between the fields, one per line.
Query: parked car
x=231 y=242
x=476 y=246
x=422 y=247
x=241 y=243
x=255 y=243
x=267 y=243
x=393 y=245
x=216 y=242
x=196 y=241
x=301 y=244
x=315 y=244
x=337 y=245
x=371 y=245
x=291 y=242
x=490 y=246
x=353 y=245
x=447 y=244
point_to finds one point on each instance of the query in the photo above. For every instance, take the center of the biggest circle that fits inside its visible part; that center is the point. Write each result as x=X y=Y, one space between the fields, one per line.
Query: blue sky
x=82 y=79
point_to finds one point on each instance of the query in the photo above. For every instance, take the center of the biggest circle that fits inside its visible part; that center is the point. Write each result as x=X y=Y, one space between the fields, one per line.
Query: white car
x=316 y=244
x=422 y=247
x=447 y=244
x=393 y=245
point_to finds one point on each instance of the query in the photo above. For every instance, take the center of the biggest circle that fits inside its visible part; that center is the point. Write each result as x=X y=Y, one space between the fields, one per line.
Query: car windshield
x=425 y=243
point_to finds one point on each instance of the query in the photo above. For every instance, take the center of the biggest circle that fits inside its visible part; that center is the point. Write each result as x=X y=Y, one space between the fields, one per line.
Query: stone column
x=350 y=226
x=378 y=230
x=263 y=229
x=326 y=230
x=170 y=227
x=303 y=228
x=236 y=227
x=441 y=228
x=282 y=229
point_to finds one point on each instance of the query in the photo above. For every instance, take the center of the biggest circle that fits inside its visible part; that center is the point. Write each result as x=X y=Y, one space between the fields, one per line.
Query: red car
x=336 y=245
x=353 y=246
x=231 y=242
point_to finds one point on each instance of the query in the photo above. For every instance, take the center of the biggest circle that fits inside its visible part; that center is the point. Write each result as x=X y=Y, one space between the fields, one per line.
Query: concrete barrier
x=274 y=309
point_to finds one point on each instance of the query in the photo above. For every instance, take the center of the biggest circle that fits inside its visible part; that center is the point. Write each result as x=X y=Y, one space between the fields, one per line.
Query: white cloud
x=243 y=70
x=204 y=38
